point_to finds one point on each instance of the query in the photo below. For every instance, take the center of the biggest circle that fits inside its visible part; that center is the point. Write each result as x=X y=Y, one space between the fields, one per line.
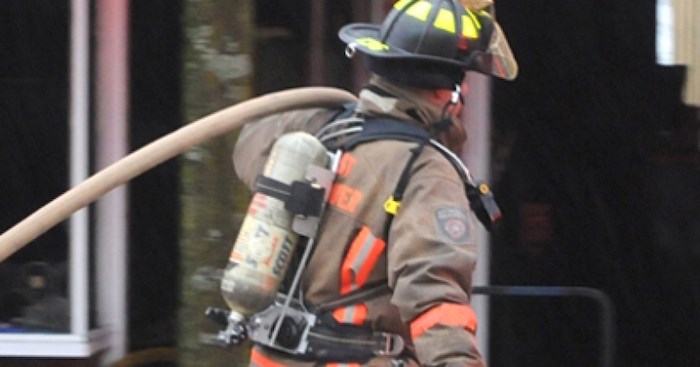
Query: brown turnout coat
x=428 y=257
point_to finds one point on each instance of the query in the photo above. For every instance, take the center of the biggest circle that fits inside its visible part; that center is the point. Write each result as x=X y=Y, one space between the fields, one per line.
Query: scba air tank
x=265 y=243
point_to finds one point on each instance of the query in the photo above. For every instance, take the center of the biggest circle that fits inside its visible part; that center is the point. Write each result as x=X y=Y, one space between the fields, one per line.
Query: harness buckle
x=391 y=205
x=388 y=344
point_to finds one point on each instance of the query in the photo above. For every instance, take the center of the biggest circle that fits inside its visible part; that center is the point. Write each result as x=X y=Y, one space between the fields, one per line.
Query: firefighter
x=397 y=243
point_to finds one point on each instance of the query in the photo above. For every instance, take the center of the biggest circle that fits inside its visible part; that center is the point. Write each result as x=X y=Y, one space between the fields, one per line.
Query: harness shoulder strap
x=481 y=198
x=387 y=129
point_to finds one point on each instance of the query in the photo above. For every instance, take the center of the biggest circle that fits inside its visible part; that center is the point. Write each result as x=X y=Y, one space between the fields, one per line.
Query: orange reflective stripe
x=450 y=314
x=258 y=359
x=365 y=250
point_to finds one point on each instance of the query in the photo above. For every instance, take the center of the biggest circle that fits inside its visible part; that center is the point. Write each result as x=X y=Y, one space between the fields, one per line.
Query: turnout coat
x=426 y=256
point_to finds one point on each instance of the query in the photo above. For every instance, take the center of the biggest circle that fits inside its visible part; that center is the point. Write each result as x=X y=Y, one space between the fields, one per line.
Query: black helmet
x=430 y=43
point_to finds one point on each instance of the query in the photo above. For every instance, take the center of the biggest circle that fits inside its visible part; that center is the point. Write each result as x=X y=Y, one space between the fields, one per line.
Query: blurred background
x=594 y=160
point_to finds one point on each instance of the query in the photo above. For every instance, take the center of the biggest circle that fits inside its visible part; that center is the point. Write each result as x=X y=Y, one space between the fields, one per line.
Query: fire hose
x=167 y=147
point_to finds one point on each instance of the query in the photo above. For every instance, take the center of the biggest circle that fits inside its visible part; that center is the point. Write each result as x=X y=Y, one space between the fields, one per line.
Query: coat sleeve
x=431 y=258
x=256 y=139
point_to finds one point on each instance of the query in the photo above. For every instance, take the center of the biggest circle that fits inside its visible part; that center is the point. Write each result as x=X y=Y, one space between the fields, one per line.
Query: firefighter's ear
x=443 y=96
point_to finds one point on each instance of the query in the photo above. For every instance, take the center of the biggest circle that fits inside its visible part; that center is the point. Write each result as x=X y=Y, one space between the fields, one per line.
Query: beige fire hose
x=157 y=152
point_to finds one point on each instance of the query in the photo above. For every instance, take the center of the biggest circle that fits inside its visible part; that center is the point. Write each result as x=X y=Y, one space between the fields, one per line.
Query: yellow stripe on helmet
x=420 y=10
x=474 y=18
x=469 y=29
x=470 y=25
x=372 y=44
x=401 y=4
x=445 y=20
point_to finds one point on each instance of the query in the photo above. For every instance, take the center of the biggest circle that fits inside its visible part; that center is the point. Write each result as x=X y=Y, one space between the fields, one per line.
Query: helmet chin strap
x=445 y=120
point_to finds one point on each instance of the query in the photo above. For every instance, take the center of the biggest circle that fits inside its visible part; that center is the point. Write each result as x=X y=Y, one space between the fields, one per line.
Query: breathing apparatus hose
x=158 y=151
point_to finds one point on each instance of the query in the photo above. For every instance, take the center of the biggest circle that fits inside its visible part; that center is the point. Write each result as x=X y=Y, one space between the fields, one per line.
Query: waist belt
x=332 y=341
x=319 y=337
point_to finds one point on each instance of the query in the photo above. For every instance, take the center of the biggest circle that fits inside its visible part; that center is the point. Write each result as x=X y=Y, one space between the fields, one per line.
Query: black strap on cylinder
x=300 y=197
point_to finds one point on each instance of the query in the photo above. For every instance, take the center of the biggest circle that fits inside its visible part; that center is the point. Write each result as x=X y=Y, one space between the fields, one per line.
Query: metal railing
x=607 y=310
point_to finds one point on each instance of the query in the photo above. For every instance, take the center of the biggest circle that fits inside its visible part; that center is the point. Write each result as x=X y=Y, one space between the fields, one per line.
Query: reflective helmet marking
x=402 y=4
x=372 y=44
x=445 y=20
x=470 y=28
x=420 y=10
x=475 y=19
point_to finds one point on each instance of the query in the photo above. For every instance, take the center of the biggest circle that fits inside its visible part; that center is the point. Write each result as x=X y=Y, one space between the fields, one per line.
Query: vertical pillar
x=79 y=161
x=476 y=155
x=111 y=91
